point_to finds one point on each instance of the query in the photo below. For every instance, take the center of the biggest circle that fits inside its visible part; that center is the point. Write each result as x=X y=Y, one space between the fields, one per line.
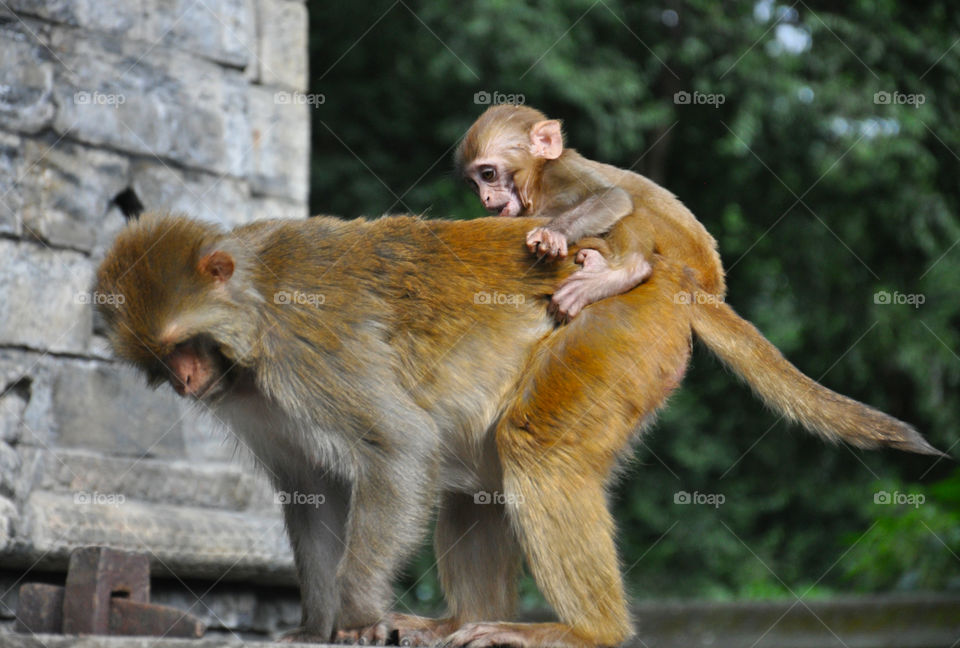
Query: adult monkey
x=401 y=375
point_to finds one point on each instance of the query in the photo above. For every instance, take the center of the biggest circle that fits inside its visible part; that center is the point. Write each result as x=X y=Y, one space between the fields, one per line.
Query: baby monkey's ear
x=546 y=139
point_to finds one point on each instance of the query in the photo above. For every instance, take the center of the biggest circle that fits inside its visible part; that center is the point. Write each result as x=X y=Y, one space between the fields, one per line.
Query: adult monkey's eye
x=489 y=174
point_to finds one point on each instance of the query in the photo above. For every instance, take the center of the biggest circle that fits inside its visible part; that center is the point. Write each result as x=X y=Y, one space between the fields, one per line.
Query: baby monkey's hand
x=544 y=241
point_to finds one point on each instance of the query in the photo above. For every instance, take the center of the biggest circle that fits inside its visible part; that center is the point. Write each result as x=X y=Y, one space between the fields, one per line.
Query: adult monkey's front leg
x=392 y=499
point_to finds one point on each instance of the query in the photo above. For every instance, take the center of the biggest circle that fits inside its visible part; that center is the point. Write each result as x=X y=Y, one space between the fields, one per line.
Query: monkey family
x=388 y=400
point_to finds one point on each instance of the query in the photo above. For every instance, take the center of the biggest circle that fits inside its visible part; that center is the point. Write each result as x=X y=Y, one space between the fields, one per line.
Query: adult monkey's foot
x=399 y=629
x=375 y=634
x=516 y=635
x=302 y=635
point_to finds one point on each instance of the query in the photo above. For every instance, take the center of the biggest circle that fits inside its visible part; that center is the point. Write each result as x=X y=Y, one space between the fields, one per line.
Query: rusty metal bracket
x=107 y=592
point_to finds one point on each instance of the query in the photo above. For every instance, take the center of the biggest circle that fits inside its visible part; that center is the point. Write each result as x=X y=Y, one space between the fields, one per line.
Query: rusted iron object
x=108 y=593
x=136 y=618
x=40 y=609
x=94 y=577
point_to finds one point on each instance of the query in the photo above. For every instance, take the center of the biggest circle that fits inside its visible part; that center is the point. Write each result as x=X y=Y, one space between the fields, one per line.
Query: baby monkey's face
x=493 y=182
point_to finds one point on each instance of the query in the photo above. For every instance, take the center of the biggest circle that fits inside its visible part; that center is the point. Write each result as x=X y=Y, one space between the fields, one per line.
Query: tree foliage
x=835 y=209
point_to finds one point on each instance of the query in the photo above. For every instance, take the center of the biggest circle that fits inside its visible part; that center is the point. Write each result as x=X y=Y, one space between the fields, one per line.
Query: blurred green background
x=824 y=196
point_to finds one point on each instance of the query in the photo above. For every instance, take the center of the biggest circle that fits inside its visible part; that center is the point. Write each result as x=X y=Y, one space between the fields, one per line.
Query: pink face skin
x=494 y=185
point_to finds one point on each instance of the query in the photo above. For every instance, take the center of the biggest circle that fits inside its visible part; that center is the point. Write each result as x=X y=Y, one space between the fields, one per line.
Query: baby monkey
x=514 y=159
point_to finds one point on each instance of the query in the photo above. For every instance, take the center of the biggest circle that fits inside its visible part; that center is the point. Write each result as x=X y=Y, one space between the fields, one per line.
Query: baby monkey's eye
x=488 y=174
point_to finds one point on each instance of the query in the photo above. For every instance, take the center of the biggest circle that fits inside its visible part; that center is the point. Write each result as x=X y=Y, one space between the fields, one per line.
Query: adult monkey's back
x=383 y=363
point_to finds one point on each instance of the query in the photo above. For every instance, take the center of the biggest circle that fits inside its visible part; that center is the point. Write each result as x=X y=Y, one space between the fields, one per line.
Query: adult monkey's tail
x=798 y=397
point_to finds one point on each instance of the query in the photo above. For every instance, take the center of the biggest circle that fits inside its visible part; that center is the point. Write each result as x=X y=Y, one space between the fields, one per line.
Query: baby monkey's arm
x=593 y=216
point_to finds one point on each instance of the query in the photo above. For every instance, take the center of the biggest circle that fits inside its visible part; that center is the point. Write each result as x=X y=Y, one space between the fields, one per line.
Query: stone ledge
x=220 y=30
x=889 y=621
x=224 y=486
x=185 y=542
x=13 y=640
x=908 y=621
x=230 y=610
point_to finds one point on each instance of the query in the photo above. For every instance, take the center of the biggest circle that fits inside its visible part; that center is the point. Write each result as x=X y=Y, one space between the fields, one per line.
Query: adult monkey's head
x=179 y=310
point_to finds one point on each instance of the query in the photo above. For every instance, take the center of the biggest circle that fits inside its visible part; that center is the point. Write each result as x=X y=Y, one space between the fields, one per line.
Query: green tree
x=835 y=209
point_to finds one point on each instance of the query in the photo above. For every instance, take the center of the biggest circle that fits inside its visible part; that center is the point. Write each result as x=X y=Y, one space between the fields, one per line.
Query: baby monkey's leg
x=597 y=280
x=612 y=265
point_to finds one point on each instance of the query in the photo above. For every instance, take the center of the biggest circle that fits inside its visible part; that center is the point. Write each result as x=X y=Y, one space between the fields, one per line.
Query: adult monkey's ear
x=546 y=139
x=218 y=265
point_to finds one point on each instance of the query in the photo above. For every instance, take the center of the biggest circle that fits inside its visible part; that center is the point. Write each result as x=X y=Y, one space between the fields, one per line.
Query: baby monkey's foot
x=544 y=241
x=592 y=260
x=597 y=280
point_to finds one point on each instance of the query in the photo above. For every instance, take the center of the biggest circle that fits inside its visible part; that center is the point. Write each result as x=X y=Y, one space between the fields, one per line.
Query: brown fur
x=559 y=439
x=400 y=389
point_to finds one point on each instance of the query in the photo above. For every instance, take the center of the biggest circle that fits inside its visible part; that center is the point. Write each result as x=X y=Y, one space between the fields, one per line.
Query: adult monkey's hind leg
x=580 y=402
x=478 y=559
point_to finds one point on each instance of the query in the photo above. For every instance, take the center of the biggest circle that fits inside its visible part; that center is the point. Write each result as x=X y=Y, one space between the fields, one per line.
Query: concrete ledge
x=186 y=542
x=909 y=621
x=14 y=640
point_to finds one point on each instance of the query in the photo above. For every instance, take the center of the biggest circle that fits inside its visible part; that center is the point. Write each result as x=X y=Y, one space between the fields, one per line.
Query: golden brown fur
x=559 y=439
x=403 y=385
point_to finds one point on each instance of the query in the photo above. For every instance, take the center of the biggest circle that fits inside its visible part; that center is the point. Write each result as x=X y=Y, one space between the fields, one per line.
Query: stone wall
x=108 y=107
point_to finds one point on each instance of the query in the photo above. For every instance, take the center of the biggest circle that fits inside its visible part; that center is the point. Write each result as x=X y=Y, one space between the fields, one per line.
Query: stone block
x=9 y=469
x=26 y=80
x=68 y=189
x=200 y=195
x=280 y=155
x=184 y=483
x=265 y=207
x=107 y=408
x=14 y=398
x=115 y=17
x=8 y=526
x=214 y=29
x=46 y=297
x=169 y=105
x=11 y=168
x=283 y=27
x=182 y=541
x=25 y=379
